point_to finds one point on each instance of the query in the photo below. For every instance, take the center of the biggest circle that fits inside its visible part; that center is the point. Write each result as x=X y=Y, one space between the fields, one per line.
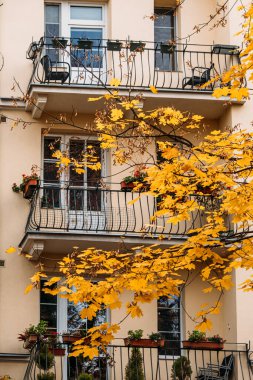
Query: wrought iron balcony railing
x=111 y=211
x=138 y=65
x=146 y=363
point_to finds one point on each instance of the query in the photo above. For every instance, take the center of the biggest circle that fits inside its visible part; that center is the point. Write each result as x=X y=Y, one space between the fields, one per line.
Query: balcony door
x=75 y=191
x=76 y=22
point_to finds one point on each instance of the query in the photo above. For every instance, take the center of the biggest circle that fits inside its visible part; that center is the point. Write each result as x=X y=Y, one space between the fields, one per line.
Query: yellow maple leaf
x=89 y=312
x=116 y=114
x=11 y=250
x=205 y=325
x=153 y=89
x=115 y=82
x=28 y=288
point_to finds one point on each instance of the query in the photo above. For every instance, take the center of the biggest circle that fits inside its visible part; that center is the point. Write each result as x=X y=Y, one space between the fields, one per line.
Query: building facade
x=70 y=210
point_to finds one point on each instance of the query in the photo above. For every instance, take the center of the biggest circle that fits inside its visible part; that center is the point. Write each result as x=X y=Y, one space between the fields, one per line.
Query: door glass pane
x=51 y=198
x=50 y=172
x=86 y=13
x=52 y=29
x=168 y=309
x=76 y=200
x=87 y=57
x=164 y=31
x=76 y=149
x=51 y=144
x=94 y=150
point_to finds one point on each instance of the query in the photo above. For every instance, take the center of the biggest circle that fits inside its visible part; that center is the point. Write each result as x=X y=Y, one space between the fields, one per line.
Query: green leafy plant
x=139 y=176
x=39 y=330
x=135 y=334
x=216 y=338
x=181 y=369
x=84 y=376
x=196 y=336
x=155 y=336
x=25 y=179
x=134 y=368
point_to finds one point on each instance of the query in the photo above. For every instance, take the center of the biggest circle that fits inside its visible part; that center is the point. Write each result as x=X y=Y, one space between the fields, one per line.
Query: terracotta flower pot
x=69 y=339
x=32 y=338
x=30 y=188
x=204 y=345
x=127 y=186
x=144 y=342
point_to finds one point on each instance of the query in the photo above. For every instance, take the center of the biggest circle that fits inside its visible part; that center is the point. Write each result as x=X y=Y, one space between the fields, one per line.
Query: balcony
x=156 y=363
x=68 y=216
x=60 y=75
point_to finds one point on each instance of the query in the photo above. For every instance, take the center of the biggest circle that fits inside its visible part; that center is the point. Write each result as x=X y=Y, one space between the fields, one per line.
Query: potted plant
x=129 y=182
x=181 y=369
x=28 y=185
x=135 y=339
x=137 y=46
x=69 y=338
x=84 y=43
x=114 y=45
x=59 y=43
x=198 y=340
x=55 y=346
x=33 y=334
x=167 y=48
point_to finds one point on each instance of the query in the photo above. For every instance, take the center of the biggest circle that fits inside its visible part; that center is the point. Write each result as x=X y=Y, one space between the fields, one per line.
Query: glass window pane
x=76 y=149
x=76 y=199
x=51 y=198
x=74 y=320
x=75 y=179
x=86 y=13
x=47 y=298
x=52 y=14
x=87 y=58
x=168 y=320
x=51 y=144
x=94 y=200
x=163 y=34
x=95 y=34
x=50 y=172
x=169 y=302
x=51 y=30
x=164 y=17
x=49 y=313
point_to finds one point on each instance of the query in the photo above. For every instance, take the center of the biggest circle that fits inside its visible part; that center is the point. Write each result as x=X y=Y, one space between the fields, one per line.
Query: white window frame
x=66 y=22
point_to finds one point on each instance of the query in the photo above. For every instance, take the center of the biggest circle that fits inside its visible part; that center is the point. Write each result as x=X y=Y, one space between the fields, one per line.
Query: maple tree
x=213 y=176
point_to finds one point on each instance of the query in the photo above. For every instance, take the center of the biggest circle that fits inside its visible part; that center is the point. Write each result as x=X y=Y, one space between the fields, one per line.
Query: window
x=168 y=309
x=52 y=29
x=164 y=31
x=83 y=193
x=48 y=308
